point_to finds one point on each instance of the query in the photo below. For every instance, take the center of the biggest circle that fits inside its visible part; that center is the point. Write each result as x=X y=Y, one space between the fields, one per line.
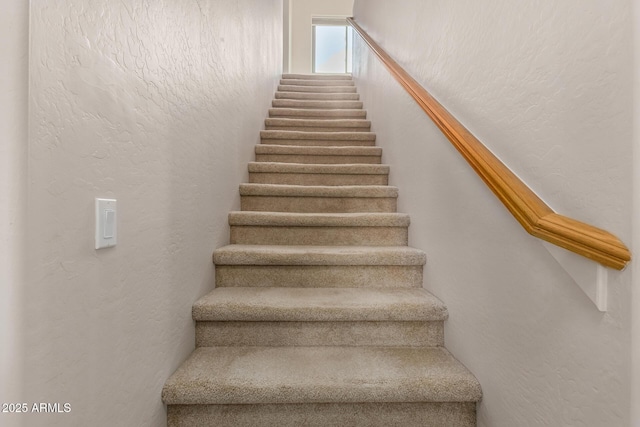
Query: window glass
x=349 y=49
x=330 y=49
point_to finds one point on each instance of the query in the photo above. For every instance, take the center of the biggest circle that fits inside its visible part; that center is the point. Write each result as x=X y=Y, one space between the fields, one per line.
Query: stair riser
x=316 y=105
x=317 y=138
x=288 y=113
x=330 y=123
x=307 y=82
x=382 y=414
x=318 y=96
x=316 y=115
x=319 y=123
x=318 y=204
x=317 y=89
x=311 y=159
x=387 y=333
x=319 y=128
x=318 y=142
x=309 y=276
x=292 y=76
x=317 y=179
x=324 y=236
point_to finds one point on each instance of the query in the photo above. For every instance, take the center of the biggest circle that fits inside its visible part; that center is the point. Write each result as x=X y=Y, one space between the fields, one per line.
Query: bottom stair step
x=430 y=414
x=320 y=375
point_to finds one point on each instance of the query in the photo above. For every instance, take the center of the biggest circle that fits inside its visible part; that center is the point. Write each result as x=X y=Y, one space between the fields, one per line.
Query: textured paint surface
x=14 y=36
x=547 y=87
x=635 y=331
x=158 y=105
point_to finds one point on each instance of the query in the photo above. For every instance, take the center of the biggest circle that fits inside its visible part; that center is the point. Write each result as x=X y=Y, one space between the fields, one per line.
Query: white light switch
x=106 y=223
x=109 y=223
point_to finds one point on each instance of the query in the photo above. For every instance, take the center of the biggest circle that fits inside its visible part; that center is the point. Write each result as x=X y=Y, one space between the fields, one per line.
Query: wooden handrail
x=532 y=213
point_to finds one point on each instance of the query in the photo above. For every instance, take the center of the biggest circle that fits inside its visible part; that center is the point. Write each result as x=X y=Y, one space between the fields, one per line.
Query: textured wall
x=14 y=36
x=547 y=86
x=301 y=12
x=635 y=331
x=157 y=104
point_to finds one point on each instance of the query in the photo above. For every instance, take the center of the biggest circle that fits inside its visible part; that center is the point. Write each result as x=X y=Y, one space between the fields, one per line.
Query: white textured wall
x=286 y=35
x=157 y=104
x=14 y=36
x=301 y=13
x=635 y=331
x=547 y=86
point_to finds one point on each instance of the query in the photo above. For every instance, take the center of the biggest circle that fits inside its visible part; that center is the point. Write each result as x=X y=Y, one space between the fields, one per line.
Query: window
x=332 y=45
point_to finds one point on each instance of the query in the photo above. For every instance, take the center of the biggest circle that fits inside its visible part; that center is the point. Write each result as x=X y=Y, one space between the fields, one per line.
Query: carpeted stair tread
x=305 y=168
x=316 y=82
x=328 y=136
x=317 y=151
x=314 y=155
x=327 y=174
x=250 y=375
x=369 y=191
x=316 y=104
x=318 y=305
x=316 y=123
x=318 y=96
x=317 y=114
x=318 y=198
x=318 y=154
x=339 y=229
x=289 y=219
x=318 y=255
x=292 y=76
x=317 y=89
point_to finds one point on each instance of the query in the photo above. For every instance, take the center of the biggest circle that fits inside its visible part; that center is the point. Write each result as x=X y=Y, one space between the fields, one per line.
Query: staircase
x=319 y=317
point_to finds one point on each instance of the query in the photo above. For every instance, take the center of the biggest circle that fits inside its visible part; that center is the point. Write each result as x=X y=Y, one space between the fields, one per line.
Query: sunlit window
x=332 y=45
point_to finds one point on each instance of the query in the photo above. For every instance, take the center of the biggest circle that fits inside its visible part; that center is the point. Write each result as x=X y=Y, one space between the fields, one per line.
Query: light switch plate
x=106 y=223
